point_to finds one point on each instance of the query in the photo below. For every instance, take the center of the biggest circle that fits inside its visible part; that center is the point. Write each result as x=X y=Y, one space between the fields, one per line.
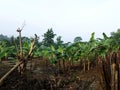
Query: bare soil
x=38 y=77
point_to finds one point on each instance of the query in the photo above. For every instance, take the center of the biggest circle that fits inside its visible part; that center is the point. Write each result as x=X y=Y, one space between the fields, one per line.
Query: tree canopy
x=48 y=38
x=77 y=39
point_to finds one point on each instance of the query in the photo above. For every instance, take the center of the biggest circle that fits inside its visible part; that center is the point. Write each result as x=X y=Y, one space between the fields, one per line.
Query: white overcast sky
x=68 y=18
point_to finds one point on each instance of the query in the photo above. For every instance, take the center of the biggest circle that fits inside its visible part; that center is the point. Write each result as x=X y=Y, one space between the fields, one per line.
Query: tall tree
x=59 y=41
x=48 y=39
x=116 y=37
x=77 y=39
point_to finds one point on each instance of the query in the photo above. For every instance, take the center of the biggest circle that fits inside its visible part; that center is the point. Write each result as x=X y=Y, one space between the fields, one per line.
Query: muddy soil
x=38 y=77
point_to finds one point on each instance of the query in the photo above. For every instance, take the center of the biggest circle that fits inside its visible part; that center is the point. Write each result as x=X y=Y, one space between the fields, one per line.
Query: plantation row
x=101 y=54
x=59 y=50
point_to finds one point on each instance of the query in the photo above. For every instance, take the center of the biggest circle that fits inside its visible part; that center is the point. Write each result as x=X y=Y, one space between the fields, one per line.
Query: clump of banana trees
x=107 y=62
x=66 y=56
x=100 y=54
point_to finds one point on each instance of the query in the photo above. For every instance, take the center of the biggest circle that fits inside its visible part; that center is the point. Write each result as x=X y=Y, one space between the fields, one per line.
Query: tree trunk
x=99 y=61
x=69 y=65
x=88 y=65
x=72 y=63
x=116 y=80
x=46 y=63
x=59 y=66
x=23 y=67
x=113 y=76
x=64 y=65
x=119 y=77
x=84 y=67
x=98 y=65
x=0 y=61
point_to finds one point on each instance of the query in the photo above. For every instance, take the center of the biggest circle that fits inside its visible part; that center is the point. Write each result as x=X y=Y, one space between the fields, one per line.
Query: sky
x=67 y=18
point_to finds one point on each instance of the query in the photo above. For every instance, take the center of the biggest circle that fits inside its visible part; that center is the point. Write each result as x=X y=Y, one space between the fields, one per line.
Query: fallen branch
x=9 y=72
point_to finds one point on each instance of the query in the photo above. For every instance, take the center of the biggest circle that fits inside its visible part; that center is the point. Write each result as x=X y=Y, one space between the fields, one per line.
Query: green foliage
x=3 y=37
x=59 y=41
x=48 y=39
x=105 y=36
x=54 y=51
x=116 y=37
x=92 y=38
x=6 y=50
x=26 y=46
x=77 y=39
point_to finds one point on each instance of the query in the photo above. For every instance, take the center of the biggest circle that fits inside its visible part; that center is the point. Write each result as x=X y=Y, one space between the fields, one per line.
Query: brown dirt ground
x=38 y=77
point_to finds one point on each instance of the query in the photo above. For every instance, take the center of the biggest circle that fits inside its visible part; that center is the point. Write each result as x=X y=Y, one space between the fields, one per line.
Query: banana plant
x=26 y=46
x=50 y=54
x=47 y=54
x=101 y=49
x=71 y=54
x=37 y=52
x=6 y=51
x=90 y=52
x=61 y=56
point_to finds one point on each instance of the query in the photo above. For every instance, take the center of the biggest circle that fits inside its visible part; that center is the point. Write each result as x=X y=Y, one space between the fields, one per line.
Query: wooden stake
x=113 y=76
x=116 y=80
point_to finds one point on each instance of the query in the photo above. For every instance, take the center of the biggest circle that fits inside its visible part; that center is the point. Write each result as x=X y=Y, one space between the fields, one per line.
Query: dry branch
x=9 y=72
x=32 y=47
x=20 y=62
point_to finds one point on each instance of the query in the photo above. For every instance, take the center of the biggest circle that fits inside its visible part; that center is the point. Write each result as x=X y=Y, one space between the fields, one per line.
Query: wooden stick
x=20 y=41
x=9 y=72
x=32 y=46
